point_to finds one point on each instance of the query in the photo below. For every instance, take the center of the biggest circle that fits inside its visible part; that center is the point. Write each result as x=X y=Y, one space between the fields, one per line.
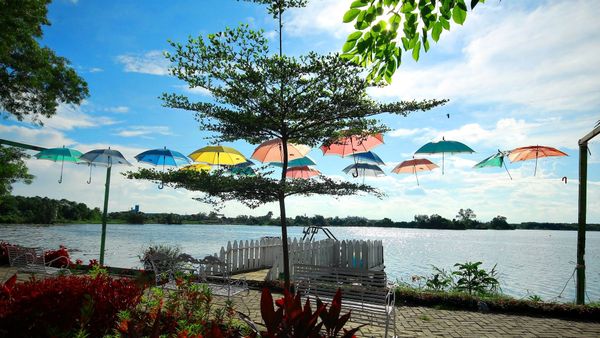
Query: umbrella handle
x=62 y=164
x=355 y=174
x=90 y=179
x=161 y=185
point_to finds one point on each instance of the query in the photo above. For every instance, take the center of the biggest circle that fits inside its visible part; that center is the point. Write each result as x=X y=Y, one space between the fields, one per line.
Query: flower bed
x=497 y=304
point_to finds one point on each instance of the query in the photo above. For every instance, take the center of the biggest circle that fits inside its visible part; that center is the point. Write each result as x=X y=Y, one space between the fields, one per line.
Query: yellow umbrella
x=217 y=155
x=197 y=167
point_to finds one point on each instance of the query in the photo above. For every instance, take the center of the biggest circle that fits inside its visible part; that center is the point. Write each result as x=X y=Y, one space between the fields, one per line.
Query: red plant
x=4 y=253
x=58 y=258
x=293 y=320
x=62 y=306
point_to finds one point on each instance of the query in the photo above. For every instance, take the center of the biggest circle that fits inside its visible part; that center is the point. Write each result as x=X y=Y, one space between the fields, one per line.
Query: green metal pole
x=583 y=152
x=104 y=214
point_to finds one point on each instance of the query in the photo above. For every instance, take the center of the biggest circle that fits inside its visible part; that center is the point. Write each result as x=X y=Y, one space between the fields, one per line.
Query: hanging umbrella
x=242 y=171
x=248 y=163
x=303 y=172
x=164 y=157
x=533 y=152
x=413 y=166
x=368 y=157
x=272 y=151
x=443 y=146
x=299 y=162
x=106 y=158
x=197 y=167
x=59 y=154
x=219 y=155
x=364 y=170
x=496 y=160
x=352 y=144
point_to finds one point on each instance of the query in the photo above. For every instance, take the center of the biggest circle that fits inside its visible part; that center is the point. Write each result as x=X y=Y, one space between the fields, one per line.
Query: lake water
x=529 y=261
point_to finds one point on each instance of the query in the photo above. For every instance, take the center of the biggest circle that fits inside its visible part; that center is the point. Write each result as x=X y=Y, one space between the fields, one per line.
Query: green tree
x=500 y=223
x=33 y=79
x=466 y=217
x=386 y=28
x=12 y=169
x=259 y=96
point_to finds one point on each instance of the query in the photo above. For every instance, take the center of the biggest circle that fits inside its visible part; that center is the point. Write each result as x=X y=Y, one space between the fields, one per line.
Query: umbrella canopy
x=219 y=155
x=298 y=162
x=272 y=151
x=197 y=167
x=496 y=160
x=303 y=172
x=533 y=152
x=104 y=157
x=59 y=154
x=163 y=157
x=248 y=163
x=242 y=171
x=346 y=146
x=413 y=166
x=368 y=157
x=442 y=147
x=364 y=170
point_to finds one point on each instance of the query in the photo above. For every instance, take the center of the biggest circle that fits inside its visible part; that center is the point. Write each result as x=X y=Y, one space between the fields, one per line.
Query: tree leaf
x=459 y=15
x=351 y=14
x=436 y=31
x=358 y=4
x=416 y=50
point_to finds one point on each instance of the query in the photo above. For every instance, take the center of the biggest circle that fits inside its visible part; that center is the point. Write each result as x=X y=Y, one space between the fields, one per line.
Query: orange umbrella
x=533 y=152
x=271 y=151
x=304 y=172
x=352 y=145
x=414 y=165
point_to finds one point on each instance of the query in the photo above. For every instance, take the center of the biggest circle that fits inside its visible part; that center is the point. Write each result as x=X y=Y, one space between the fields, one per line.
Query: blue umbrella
x=368 y=157
x=164 y=157
x=298 y=162
x=364 y=169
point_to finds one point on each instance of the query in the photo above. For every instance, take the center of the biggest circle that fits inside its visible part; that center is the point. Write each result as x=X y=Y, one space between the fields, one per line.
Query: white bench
x=366 y=293
x=33 y=260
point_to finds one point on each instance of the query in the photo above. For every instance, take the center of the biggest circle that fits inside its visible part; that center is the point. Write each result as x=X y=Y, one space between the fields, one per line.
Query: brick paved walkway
x=429 y=322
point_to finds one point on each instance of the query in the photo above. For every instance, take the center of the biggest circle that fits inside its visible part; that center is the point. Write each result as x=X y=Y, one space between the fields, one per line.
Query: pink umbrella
x=533 y=152
x=303 y=172
x=412 y=166
x=352 y=145
x=271 y=151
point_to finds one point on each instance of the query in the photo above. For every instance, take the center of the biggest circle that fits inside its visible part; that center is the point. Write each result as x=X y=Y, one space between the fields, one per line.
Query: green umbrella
x=59 y=154
x=496 y=160
x=443 y=146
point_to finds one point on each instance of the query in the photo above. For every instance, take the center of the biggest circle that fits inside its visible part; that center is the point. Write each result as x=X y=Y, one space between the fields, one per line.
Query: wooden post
x=581 y=213
x=104 y=214
x=582 y=223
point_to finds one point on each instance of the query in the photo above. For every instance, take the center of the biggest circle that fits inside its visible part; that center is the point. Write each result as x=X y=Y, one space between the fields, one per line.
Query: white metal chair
x=33 y=260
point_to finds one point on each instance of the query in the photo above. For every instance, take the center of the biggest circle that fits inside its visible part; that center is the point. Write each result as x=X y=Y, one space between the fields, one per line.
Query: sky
x=517 y=73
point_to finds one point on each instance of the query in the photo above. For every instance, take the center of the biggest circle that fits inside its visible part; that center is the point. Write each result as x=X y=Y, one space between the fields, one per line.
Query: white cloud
x=318 y=17
x=538 y=59
x=69 y=117
x=145 y=131
x=117 y=109
x=196 y=90
x=152 y=62
x=42 y=137
x=96 y=70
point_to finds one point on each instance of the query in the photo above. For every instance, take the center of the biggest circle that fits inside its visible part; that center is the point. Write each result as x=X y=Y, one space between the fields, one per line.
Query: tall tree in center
x=258 y=96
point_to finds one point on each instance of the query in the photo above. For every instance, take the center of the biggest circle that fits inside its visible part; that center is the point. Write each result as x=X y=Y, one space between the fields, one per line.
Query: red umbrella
x=354 y=144
x=414 y=165
x=533 y=152
x=272 y=151
x=303 y=172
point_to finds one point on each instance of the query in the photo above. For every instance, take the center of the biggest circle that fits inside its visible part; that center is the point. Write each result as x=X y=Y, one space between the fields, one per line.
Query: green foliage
x=189 y=312
x=475 y=280
x=440 y=280
x=276 y=7
x=387 y=28
x=12 y=168
x=500 y=223
x=33 y=79
x=38 y=210
x=168 y=253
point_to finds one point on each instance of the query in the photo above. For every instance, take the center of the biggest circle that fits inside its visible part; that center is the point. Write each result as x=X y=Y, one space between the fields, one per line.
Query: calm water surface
x=529 y=261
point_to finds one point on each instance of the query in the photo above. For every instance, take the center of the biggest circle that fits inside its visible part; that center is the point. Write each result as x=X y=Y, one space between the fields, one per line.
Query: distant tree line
x=43 y=210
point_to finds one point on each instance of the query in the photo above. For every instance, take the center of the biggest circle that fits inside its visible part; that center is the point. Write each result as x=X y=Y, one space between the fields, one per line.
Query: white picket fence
x=359 y=254
x=268 y=253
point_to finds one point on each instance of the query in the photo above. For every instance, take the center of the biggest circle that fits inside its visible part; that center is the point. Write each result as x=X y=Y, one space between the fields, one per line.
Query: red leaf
x=267 y=311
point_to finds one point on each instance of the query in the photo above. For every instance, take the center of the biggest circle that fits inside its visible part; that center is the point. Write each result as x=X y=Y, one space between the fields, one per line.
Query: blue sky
x=517 y=73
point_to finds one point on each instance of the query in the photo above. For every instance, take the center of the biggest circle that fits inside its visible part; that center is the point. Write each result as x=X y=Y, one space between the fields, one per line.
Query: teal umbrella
x=496 y=160
x=442 y=147
x=59 y=154
x=298 y=162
